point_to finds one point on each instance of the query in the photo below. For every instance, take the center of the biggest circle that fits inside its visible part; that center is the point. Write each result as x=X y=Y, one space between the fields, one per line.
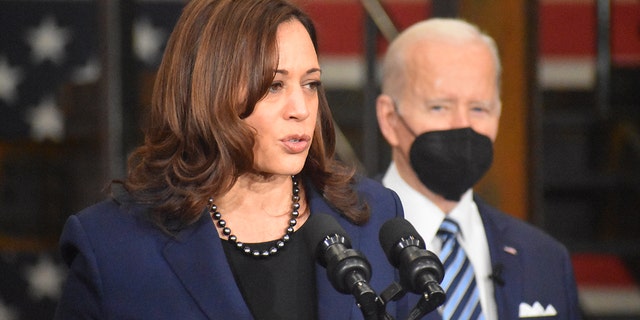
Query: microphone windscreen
x=393 y=231
x=319 y=226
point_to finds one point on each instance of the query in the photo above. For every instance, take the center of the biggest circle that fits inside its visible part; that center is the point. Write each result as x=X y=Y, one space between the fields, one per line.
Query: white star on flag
x=45 y=279
x=147 y=40
x=87 y=73
x=46 y=121
x=6 y=312
x=48 y=41
x=9 y=79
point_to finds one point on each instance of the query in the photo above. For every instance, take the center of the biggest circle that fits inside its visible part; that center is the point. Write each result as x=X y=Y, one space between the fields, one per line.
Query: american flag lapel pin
x=510 y=250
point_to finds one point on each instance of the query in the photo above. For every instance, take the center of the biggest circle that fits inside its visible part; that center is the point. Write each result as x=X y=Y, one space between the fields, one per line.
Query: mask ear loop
x=404 y=123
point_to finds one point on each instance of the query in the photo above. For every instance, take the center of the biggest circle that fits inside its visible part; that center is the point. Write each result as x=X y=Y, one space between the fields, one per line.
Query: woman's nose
x=297 y=105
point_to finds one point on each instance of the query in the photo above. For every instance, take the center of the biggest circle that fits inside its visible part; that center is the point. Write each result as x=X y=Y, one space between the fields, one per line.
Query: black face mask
x=449 y=162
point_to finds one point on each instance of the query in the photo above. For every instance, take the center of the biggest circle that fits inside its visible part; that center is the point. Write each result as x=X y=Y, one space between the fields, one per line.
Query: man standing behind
x=439 y=111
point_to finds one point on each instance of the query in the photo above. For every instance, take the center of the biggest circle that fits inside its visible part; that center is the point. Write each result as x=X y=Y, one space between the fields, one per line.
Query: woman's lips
x=296 y=144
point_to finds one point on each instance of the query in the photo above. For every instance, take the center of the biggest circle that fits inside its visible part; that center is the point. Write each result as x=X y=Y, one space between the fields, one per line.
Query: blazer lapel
x=209 y=281
x=508 y=272
x=331 y=303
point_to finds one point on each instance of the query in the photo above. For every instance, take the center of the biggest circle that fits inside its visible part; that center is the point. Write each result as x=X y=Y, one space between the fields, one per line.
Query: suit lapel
x=505 y=260
x=209 y=281
x=331 y=303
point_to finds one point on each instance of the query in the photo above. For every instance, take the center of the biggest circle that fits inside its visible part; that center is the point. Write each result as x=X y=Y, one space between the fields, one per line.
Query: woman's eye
x=276 y=86
x=313 y=85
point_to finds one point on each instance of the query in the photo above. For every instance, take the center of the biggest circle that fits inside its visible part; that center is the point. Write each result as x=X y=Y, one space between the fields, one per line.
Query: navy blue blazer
x=529 y=267
x=123 y=267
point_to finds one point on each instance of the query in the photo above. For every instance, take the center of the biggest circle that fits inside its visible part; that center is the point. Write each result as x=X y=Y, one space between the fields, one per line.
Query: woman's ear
x=387 y=118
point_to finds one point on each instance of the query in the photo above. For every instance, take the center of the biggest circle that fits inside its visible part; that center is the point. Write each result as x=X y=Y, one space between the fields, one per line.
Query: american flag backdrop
x=44 y=46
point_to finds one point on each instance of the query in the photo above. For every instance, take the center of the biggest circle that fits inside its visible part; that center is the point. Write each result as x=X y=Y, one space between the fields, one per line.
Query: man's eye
x=436 y=107
x=481 y=109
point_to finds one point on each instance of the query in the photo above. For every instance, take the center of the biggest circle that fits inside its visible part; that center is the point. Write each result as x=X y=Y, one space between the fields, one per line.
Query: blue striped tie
x=463 y=298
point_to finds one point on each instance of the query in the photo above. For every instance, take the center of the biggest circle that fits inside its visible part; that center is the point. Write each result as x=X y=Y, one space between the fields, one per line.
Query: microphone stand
x=432 y=298
x=370 y=304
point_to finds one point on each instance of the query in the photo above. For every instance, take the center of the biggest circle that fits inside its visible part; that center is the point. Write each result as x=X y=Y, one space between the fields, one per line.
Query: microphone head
x=347 y=269
x=322 y=231
x=395 y=235
x=420 y=270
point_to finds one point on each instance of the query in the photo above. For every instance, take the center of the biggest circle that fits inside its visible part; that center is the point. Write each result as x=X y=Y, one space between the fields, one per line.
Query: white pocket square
x=528 y=311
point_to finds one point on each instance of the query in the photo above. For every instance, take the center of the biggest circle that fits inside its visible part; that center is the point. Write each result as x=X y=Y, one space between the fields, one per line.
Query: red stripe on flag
x=597 y=269
x=566 y=29
x=340 y=25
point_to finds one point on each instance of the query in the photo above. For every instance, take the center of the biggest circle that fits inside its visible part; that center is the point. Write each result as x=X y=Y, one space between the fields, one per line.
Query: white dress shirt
x=426 y=217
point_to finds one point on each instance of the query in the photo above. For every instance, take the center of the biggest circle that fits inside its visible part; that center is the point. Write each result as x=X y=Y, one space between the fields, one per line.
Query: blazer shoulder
x=384 y=203
x=101 y=224
x=370 y=187
x=109 y=213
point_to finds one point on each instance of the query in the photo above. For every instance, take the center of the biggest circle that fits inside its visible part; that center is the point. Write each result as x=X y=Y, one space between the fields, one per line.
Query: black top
x=280 y=286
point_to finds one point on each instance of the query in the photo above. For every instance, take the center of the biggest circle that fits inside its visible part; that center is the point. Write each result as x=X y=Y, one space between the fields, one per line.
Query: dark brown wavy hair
x=219 y=62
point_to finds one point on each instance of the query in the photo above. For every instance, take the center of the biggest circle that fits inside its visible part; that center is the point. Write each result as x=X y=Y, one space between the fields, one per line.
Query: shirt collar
x=423 y=214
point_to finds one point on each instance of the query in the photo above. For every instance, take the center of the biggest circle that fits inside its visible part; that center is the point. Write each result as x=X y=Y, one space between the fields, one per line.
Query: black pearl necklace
x=278 y=244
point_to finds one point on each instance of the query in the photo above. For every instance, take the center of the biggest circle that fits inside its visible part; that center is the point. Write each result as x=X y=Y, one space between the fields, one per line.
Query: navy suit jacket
x=529 y=267
x=123 y=267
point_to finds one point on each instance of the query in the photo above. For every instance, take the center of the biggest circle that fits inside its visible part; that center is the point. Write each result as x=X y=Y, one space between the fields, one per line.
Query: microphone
x=347 y=269
x=496 y=274
x=420 y=270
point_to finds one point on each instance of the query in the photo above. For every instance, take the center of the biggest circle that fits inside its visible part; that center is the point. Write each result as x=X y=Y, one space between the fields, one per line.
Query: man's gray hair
x=450 y=30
